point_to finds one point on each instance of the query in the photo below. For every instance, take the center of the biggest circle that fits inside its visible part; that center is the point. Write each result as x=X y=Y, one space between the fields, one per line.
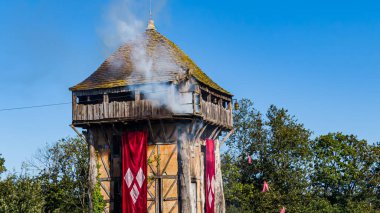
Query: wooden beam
x=219 y=200
x=74 y=104
x=79 y=134
x=201 y=132
x=184 y=174
x=227 y=136
x=92 y=169
x=105 y=167
x=213 y=132
x=151 y=131
x=206 y=89
x=191 y=127
x=199 y=129
x=150 y=155
x=170 y=188
x=217 y=133
x=163 y=129
x=105 y=190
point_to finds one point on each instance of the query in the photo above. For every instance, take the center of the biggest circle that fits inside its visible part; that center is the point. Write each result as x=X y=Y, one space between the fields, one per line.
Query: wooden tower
x=178 y=106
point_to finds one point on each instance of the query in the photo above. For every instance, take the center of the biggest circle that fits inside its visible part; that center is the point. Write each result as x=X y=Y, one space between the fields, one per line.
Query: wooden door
x=162 y=178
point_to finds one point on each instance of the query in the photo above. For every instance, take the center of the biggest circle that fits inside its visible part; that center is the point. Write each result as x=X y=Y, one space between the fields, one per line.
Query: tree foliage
x=2 y=166
x=63 y=170
x=59 y=183
x=21 y=194
x=332 y=173
x=345 y=170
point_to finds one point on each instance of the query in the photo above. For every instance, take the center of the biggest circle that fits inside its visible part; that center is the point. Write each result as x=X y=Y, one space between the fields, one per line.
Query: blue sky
x=319 y=59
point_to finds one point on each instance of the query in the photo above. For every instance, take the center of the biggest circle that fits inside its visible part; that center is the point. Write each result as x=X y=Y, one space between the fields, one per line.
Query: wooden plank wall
x=217 y=114
x=113 y=110
x=143 y=109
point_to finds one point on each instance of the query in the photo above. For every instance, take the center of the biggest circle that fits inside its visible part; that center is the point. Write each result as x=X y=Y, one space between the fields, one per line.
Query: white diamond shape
x=213 y=184
x=210 y=199
x=140 y=177
x=134 y=193
x=128 y=178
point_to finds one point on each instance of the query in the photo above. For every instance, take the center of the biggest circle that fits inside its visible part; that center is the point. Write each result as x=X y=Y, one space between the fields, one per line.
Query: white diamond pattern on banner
x=140 y=177
x=211 y=189
x=128 y=178
x=134 y=193
x=210 y=198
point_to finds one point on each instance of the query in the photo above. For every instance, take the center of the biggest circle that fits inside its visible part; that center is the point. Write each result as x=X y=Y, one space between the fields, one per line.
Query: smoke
x=126 y=21
x=123 y=22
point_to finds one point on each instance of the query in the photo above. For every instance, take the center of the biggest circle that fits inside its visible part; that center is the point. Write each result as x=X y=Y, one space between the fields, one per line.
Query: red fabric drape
x=134 y=187
x=210 y=176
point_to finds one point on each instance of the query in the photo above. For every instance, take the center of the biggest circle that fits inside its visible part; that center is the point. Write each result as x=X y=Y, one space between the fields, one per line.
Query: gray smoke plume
x=126 y=22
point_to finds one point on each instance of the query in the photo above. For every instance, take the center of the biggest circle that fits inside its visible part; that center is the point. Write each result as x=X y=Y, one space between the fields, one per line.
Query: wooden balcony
x=142 y=109
x=217 y=114
x=145 y=109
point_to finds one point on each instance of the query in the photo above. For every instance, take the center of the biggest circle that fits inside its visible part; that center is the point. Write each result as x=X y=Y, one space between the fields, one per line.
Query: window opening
x=90 y=99
x=121 y=96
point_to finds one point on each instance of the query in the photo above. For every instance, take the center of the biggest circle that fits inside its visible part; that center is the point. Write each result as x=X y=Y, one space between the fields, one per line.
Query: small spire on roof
x=150 y=22
x=151 y=25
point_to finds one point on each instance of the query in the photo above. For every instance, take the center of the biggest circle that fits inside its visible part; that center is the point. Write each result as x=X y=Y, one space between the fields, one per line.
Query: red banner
x=210 y=176
x=134 y=163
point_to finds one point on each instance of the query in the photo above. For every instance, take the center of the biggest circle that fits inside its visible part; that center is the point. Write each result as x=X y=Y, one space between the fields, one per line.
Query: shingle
x=120 y=70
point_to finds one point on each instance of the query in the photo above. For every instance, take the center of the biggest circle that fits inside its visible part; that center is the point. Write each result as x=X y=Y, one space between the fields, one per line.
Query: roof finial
x=150 y=9
x=151 y=22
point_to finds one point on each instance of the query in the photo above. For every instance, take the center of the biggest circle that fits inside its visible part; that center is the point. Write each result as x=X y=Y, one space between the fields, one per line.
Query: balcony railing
x=118 y=110
x=217 y=114
x=145 y=109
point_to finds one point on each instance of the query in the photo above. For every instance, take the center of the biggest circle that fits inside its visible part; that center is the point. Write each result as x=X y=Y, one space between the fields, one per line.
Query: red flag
x=249 y=159
x=282 y=210
x=134 y=164
x=210 y=176
x=265 y=187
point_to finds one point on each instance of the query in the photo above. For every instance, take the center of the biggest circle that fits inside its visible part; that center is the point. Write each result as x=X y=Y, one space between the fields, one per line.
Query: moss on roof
x=118 y=69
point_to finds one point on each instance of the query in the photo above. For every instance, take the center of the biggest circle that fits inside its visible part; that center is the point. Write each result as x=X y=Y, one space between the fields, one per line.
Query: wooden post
x=92 y=169
x=184 y=176
x=74 y=104
x=219 y=195
x=202 y=176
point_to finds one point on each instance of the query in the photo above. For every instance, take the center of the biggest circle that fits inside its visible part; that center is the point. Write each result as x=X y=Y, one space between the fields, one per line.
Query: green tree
x=21 y=194
x=332 y=173
x=280 y=149
x=2 y=166
x=346 y=172
x=63 y=171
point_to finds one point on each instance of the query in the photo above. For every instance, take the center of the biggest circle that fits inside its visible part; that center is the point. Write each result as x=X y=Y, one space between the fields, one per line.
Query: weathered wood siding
x=118 y=110
x=217 y=114
x=145 y=109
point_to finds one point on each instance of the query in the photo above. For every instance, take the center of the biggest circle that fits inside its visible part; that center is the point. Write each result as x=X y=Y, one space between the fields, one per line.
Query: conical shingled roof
x=120 y=68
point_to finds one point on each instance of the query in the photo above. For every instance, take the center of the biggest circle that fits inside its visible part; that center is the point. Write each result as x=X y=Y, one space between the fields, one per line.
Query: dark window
x=214 y=99
x=90 y=99
x=226 y=104
x=116 y=145
x=121 y=96
x=117 y=196
x=116 y=172
x=204 y=95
